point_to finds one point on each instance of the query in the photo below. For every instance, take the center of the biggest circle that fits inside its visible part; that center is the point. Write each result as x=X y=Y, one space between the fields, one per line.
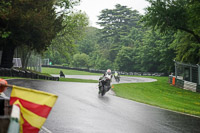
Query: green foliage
x=27 y=23
x=33 y=23
x=125 y=44
x=103 y=64
x=176 y=15
x=166 y=14
x=193 y=9
x=125 y=59
x=181 y=17
x=117 y=22
x=4 y=34
x=186 y=50
x=155 y=54
x=113 y=51
x=66 y=4
x=89 y=42
x=133 y=49
x=63 y=46
x=4 y=11
x=80 y=60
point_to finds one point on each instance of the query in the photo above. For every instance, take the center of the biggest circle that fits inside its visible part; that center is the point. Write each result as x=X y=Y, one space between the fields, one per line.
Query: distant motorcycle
x=117 y=78
x=105 y=84
x=62 y=74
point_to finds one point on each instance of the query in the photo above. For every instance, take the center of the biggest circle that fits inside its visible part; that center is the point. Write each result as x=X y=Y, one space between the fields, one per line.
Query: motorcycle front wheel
x=102 y=91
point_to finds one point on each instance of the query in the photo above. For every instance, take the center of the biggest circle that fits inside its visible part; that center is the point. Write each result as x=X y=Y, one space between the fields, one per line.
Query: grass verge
x=161 y=94
x=66 y=71
x=11 y=77
x=78 y=80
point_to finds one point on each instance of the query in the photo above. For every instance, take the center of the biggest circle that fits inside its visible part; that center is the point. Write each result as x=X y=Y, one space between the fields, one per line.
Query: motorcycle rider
x=62 y=74
x=106 y=82
x=116 y=75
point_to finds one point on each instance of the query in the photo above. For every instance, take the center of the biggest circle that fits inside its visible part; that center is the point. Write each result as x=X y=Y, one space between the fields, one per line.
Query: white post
x=14 y=125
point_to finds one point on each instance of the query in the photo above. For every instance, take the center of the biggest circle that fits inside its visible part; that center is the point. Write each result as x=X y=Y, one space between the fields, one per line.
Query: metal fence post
x=198 y=76
x=176 y=69
x=190 y=74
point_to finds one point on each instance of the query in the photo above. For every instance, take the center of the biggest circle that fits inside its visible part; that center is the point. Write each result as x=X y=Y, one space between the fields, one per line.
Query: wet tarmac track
x=79 y=109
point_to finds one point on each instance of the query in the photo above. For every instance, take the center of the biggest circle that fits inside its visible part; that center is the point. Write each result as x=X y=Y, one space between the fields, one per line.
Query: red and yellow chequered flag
x=35 y=107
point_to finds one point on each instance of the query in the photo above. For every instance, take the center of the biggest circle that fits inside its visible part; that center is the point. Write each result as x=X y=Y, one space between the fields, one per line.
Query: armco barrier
x=190 y=86
x=25 y=74
x=179 y=83
x=184 y=84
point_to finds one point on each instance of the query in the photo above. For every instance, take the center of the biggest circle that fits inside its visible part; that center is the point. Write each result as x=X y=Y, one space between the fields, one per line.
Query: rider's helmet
x=108 y=71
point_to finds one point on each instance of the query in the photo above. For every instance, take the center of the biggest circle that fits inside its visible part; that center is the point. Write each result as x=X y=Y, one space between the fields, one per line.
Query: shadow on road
x=104 y=98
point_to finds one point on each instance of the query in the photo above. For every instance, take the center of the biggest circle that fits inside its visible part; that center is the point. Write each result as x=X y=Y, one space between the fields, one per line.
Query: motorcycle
x=117 y=78
x=62 y=74
x=105 y=84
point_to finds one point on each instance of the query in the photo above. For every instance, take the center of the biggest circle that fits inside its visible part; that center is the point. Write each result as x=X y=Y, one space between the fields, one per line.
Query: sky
x=93 y=7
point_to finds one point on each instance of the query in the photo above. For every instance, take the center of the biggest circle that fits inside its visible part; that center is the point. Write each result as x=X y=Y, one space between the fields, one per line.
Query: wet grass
x=3 y=77
x=66 y=71
x=161 y=94
x=78 y=80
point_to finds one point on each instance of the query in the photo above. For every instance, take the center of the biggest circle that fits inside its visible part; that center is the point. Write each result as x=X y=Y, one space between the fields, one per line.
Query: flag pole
x=5 y=85
x=8 y=85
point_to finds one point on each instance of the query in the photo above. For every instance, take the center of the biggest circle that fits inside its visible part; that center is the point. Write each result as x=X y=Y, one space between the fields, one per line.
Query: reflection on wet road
x=79 y=109
x=123 y=79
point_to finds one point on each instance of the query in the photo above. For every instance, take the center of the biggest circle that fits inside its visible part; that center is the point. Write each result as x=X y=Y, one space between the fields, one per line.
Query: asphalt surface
x=123 y=79
x=79 y=109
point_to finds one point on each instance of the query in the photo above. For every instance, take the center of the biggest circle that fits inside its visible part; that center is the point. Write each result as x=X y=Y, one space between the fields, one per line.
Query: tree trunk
x=27 y=57
x=7 y=56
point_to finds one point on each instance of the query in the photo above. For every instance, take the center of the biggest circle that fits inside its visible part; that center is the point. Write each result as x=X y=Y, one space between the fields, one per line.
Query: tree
x=4 y=11
x=176 y=16
x=63 y=45
x=116 y=25
x=103 y=64
x=33 y=23
x=117 y=22
x=186 y=50
x=125 y=60
x=80 y=60
x=88 y=43
x=155 y=55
